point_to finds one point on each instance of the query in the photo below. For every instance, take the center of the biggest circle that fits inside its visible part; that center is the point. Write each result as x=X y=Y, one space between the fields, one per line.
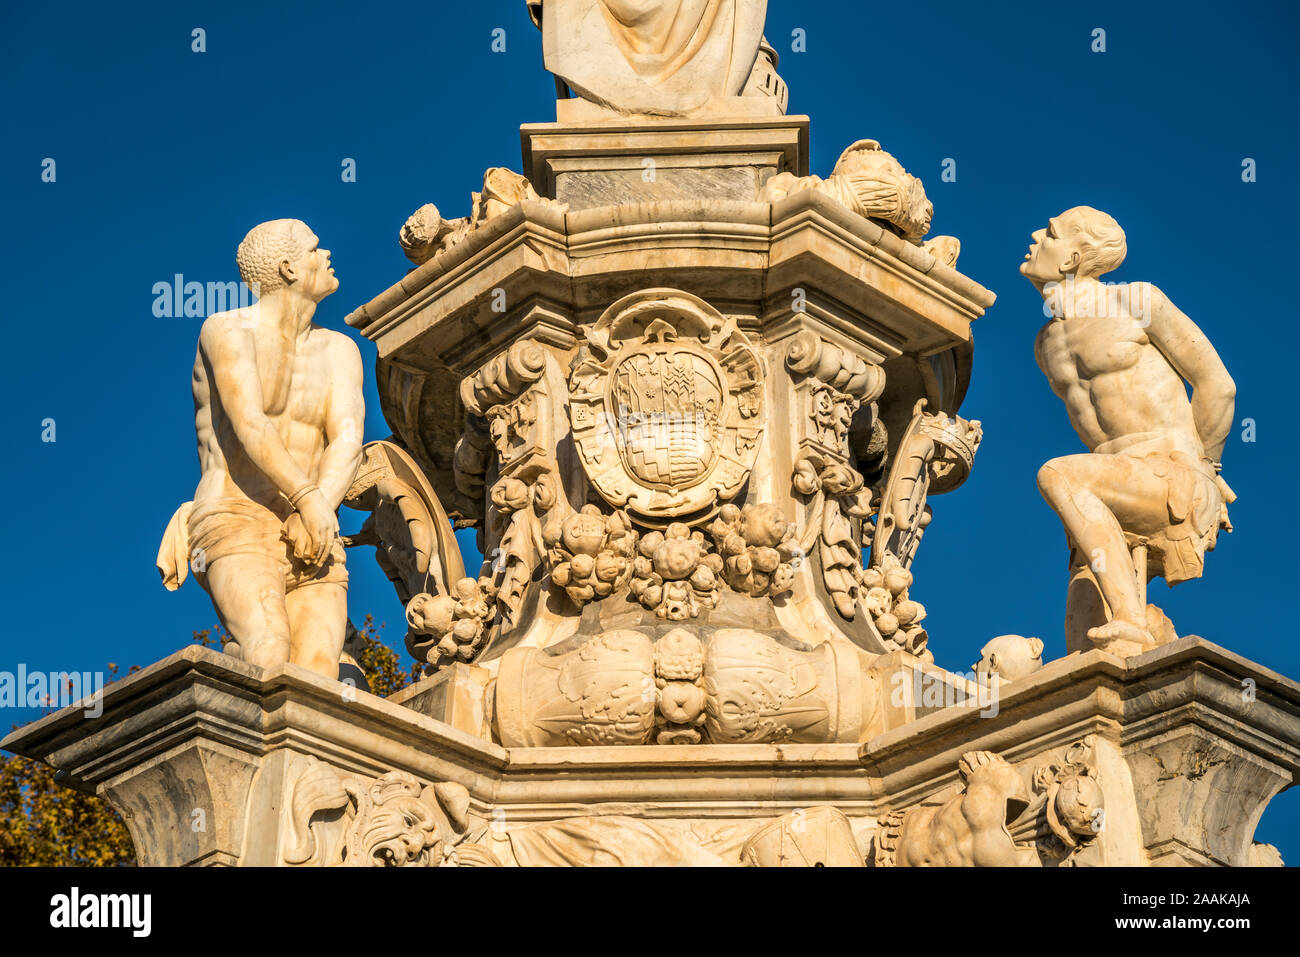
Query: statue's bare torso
x=1121 y=392
x=295 y=375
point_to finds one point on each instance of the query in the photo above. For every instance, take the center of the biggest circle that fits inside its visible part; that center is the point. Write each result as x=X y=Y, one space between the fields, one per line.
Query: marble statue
x=698 y=407
x=1147 y=499
x=659 y=57
x=869 y=181
x=1009 y=658
x=426 y=233
x=278 y=409
x=970 y=829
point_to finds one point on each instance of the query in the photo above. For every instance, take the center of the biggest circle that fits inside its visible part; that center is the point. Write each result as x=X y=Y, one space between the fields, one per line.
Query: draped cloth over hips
x=219 y=528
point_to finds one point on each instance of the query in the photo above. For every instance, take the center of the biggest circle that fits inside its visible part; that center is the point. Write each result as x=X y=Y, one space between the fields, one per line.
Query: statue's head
x=285 y=254
x=884 y=190
x=1082 y=242
x=1010 y=657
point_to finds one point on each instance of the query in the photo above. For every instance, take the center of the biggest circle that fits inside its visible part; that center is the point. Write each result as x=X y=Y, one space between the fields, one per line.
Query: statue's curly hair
x=1102 y=246
x=265 y=247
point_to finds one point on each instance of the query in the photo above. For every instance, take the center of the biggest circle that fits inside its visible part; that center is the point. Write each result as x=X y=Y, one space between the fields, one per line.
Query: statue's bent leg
x=1085 y=609
x=1098 y=498
x=318 y=621
x=248 y=593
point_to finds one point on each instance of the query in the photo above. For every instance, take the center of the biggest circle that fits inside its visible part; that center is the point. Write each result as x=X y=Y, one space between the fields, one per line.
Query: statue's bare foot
x=1121 y=638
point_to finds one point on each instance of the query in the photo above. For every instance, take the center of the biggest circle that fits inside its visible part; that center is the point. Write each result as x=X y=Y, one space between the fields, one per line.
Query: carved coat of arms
x=666 y=402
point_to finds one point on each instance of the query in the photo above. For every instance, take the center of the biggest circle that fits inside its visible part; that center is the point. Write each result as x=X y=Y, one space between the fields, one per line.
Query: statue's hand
x=316 y=522
x=295 y=533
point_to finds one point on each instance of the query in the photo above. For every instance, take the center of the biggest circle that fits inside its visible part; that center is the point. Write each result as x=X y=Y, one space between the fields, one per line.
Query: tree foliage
x=45 y=824
x=381 y=664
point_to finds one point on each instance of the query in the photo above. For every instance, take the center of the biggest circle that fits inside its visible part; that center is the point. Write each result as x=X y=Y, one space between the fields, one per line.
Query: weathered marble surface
x=279 y=414
x=1182 y=747
x=1148 y=499
x=669 y=58
x=699 y=405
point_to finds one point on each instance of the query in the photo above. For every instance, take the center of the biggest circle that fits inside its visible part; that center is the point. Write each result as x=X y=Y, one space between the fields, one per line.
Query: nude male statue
x=1121 y=357
x=279 y=415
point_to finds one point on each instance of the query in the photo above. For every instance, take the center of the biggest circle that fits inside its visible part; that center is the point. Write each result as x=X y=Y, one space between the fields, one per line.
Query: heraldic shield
x=666 y=403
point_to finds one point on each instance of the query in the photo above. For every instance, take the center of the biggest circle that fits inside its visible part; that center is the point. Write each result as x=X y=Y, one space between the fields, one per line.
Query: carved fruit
x=782 y=579
x=429 y=615
x=679 y=656
x=608 y=568
x=733 y=544
x=681 y=703
x=764 y=526
x=584 y=533
x=898 y=580
x=887 y=625
x=877 y=600
x=552 y=532
x=583 y=566
x=907 y=612
x=510 y=495
x=1077 y=802
x=677 y=559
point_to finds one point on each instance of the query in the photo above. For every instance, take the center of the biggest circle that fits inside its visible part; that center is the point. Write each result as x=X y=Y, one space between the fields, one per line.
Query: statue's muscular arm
x=344 y=420
x=1190 y=353
x=229 y=354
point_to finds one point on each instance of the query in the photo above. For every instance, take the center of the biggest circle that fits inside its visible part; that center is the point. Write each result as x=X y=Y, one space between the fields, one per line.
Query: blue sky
x=165 y=157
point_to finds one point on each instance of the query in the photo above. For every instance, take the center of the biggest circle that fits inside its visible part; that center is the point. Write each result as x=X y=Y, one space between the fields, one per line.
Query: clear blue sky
x=166 y=157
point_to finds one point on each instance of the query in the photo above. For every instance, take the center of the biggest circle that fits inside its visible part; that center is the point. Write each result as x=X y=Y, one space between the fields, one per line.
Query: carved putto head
x=423 y=233
x=1010 y=657
x=884 y=190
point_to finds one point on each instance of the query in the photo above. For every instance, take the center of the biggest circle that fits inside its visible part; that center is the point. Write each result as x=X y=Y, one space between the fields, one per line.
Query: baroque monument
x=698 y=404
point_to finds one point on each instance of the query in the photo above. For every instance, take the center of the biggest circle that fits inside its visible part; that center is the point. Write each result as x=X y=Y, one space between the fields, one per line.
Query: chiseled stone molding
x=1152 y=735
x=1189 y=725
x=728 y=251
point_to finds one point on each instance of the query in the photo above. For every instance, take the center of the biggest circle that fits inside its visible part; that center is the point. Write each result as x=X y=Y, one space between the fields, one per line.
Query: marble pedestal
x=212 y=761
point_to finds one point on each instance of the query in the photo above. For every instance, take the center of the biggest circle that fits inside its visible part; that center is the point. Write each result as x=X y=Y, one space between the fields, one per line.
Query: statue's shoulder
x=338 y=345
x=1051 y=330
x=220 y=327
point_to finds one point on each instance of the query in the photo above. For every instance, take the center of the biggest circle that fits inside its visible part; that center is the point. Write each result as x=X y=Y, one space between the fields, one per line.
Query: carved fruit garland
x=839 y=495
x=675 y=575
x=590 y=553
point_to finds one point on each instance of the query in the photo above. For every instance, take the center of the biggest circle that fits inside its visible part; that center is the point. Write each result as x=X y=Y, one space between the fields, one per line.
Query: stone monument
x=279 y=415
x=698 y=404
x=1148 y=500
